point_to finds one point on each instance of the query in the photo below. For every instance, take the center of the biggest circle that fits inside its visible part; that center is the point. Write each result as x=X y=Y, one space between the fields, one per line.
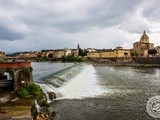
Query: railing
x=6 y=83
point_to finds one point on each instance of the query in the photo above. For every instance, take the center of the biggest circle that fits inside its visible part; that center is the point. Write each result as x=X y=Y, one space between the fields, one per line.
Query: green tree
x=136 y=54
x=132 y=54
x=82 y=52
x=23 y=92
x=152 y=51
x=63 y=59
x=72 y=58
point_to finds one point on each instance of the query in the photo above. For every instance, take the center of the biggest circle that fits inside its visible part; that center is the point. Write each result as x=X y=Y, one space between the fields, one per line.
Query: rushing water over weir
x=74 y=82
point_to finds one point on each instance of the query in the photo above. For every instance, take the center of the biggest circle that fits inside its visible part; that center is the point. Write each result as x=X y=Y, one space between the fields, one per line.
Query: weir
x=75 y=82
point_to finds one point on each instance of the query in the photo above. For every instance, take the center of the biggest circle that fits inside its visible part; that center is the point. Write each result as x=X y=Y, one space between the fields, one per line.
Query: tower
x=78 y=46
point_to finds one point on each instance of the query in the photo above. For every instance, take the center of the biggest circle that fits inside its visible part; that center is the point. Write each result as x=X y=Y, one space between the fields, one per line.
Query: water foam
x=85 y=84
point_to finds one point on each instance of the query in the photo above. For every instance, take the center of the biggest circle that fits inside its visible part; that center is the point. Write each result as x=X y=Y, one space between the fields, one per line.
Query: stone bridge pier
x=19 y=74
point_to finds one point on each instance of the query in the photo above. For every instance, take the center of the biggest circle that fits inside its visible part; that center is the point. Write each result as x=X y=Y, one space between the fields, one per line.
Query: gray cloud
x=105 y=14
x=8 y=34
x=151 y=11
x=40 y=24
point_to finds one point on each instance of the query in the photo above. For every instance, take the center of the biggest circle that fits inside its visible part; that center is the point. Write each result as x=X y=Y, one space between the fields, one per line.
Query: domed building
x=141 y=48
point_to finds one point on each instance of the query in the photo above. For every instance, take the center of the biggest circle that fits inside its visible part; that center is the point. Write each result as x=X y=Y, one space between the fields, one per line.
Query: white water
x=46 y=89
x=85 y=84
x=82 y=85
x=37 y=106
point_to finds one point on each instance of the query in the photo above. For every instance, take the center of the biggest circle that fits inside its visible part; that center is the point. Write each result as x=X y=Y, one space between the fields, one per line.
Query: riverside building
x=118 y=52
x=141 y=48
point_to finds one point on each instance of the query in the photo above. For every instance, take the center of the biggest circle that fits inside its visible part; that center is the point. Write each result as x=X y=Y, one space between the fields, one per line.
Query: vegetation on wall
x=31 y=89
x=10 y=71
x=26 y=72
x=71 y=58
x=135 y=54
x=152 y=51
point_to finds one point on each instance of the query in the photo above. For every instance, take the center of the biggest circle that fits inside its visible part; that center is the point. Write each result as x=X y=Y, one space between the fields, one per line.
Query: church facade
x=141 y=48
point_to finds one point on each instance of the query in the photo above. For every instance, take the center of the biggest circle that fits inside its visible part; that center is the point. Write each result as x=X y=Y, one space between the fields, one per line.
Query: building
x=57 y=54
x=118 y=52
x=27 y=55
x=141 y=48
x=2 y=55
x=90 y=50
x=67 y=52
x=75 y=52
x=94 y=54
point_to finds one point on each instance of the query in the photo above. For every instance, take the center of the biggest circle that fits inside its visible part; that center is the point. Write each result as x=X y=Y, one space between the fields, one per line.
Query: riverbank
x=12 y=108
x=126 y=64
x=30 y=107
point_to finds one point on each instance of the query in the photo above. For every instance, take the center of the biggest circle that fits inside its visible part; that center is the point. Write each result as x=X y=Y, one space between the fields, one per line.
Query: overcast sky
x=27 y=25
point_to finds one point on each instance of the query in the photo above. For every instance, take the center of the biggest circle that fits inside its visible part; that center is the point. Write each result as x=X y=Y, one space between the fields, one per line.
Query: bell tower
x=78 y=46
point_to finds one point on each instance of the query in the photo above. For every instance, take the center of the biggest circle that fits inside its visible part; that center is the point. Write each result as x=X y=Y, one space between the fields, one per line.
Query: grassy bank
x=18 y=105
x=21 y=105
x=18 y=109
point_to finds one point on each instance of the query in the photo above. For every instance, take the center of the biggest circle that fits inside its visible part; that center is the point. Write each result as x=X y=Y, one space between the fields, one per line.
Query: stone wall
x=147 y=60
x=22 y=77
x=15 y=65
x=20 y=73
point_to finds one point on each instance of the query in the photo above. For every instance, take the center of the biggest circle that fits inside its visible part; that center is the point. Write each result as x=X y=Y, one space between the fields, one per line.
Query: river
x=87 y=92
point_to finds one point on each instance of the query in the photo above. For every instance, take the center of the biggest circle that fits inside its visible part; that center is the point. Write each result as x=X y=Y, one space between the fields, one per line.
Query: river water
x=87 y=92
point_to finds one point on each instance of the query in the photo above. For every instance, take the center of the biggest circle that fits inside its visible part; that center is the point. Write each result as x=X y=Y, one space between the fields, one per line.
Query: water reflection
x=145 y=70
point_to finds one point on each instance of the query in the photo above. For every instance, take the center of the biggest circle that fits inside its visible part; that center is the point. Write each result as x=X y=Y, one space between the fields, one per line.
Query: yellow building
x=141 y=48
x=122 y=52
x=95 y=54
x=116 y=53
x=107 y=54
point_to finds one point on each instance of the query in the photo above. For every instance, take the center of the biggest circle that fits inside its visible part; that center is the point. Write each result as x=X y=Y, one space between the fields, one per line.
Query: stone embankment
x=127 y=64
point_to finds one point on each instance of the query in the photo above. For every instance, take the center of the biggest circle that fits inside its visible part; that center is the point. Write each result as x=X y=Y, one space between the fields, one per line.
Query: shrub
x=34 y=89
x=23 y=92
x=31 y=89
x=43 y=103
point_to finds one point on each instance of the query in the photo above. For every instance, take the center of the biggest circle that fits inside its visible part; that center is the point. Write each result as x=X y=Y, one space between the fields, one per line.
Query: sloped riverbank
x=13 y=108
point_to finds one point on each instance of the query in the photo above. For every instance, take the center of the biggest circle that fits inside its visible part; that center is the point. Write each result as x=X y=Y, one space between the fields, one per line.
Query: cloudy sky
x=27 y=25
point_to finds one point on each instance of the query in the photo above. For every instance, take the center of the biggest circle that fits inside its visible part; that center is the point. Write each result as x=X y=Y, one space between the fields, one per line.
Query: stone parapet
x=14 y=65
